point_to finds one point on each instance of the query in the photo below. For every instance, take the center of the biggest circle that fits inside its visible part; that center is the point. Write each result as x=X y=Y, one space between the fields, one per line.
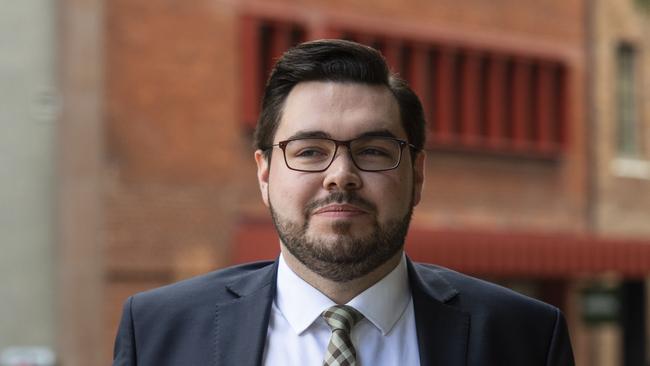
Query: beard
x=345 y=257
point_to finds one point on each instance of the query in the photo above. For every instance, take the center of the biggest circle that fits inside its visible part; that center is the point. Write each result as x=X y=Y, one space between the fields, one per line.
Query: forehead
x=342 y=110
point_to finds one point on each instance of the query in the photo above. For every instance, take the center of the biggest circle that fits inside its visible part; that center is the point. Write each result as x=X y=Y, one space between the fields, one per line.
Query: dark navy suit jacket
x=221 y=318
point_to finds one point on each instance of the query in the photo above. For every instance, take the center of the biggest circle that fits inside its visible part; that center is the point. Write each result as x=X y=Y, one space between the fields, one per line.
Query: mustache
x=341 y=197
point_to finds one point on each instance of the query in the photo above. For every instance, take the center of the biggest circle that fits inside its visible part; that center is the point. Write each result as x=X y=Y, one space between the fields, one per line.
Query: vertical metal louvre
x=263 y=42
x=474 y=99
x=481 y=99
x=495 y=102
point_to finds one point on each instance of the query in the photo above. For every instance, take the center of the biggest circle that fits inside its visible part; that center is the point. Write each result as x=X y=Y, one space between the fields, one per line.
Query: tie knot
x=342 y=317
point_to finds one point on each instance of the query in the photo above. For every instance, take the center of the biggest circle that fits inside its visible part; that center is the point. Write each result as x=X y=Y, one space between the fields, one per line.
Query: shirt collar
x=382 y=304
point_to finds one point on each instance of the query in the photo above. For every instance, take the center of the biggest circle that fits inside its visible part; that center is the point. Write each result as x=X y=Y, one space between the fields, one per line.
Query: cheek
x=400 y=198
x=289 y=193
x=391 y=194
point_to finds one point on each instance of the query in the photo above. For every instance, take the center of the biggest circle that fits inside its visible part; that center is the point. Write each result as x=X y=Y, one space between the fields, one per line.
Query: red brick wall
x=174 y=152
x=179 y=169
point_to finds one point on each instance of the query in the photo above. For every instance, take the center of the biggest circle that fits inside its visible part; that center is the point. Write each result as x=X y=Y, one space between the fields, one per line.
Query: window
x=474 y=99
x=627 y=119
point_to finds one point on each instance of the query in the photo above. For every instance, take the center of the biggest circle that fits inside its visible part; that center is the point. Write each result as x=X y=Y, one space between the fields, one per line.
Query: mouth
x=340 y=210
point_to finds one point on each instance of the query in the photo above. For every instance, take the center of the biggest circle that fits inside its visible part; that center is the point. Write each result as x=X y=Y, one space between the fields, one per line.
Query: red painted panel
x=367 y=39
x=318 y=30
x=563 y=100
x=466 y=102
x=444 y=96
x=521 y=96
x=419 y=72
x=280 y=40
x=544 y=106
x=325 y=32
x=470 y=104
x=496 y=102
x=393 y=54
x=491 y=253
x=529 y=254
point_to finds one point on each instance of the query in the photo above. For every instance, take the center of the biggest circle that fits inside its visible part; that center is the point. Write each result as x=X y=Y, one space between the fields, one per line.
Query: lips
x=340 y=210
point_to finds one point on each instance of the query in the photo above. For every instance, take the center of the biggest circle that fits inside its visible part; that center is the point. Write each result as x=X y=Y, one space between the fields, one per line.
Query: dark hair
x=338 y=61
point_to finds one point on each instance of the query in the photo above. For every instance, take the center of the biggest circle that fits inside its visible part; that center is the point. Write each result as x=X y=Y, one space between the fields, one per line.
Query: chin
x=340 y=230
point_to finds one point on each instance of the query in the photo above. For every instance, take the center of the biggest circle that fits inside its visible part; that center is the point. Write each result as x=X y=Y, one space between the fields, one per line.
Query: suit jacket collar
x=442 y=329
x=241 y=323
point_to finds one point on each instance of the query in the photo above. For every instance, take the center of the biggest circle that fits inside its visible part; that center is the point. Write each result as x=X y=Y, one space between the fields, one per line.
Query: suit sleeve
x=560 y=352
x=124 y=351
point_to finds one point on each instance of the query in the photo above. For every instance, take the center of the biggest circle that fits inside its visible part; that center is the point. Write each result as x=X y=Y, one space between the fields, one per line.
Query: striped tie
x=340 y=351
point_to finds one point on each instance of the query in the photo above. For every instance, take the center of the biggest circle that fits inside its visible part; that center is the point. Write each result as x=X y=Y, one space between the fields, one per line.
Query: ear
x=263 y=175
x=418 y=176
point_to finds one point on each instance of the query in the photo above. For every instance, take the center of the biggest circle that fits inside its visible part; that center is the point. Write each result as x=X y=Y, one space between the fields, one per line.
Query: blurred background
x=126 y=157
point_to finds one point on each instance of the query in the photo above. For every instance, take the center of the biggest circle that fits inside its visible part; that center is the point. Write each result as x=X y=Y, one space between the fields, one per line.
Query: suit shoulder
x=211 y=286
x=532 y=332
x=474 y=292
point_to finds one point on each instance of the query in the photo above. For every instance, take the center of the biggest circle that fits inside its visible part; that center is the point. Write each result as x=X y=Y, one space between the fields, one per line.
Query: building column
x=80 y=277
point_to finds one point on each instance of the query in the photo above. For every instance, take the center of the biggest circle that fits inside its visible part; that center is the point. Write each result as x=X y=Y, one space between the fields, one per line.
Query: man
x=340 y=165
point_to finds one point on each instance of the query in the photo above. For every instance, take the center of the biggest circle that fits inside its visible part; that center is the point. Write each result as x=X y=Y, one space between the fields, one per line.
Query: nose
x=342 y=174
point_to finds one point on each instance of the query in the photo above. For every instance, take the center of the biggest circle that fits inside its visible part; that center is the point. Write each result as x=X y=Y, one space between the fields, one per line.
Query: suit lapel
x=241 y=323
x=442 y=329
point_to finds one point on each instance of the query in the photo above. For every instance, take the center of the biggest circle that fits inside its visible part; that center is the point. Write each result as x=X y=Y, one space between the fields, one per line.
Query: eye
x=373 y=151
x=310 y=153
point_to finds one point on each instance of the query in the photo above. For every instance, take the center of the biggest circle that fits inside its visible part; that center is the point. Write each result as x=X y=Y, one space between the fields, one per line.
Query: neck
x=340 y=292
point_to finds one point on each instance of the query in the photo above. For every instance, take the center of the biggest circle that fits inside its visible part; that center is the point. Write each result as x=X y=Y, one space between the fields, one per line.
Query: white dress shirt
x=297 y=335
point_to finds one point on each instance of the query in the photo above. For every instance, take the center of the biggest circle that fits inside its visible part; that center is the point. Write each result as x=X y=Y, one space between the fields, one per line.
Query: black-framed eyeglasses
x=368 y=153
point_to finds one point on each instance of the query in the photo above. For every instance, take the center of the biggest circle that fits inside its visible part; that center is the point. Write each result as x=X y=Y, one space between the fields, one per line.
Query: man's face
x=341 y=223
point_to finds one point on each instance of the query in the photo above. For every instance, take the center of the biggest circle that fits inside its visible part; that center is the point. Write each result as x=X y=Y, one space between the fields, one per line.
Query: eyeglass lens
x=368 y=153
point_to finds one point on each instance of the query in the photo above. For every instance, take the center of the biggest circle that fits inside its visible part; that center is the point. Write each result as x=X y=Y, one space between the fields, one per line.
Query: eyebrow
x=379 y=133
x=322 y=134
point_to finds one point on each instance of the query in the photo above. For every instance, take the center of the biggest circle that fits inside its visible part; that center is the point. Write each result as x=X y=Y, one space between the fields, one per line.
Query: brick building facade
x=510 y=191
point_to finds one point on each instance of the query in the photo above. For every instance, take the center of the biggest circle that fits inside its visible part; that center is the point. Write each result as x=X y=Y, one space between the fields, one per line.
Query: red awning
x=490 y=253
